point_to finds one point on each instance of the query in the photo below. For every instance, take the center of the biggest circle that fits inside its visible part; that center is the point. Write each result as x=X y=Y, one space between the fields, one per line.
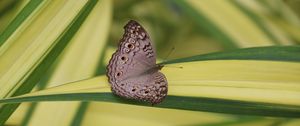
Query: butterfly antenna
x=172 y=50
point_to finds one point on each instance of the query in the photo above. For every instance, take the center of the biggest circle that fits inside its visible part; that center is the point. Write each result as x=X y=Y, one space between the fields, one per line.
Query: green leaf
x=262 y=22
x=78 y=61
x=252 y=87
x=20 y=18
x=227 y=23
x=276 y=53
x=26 y=79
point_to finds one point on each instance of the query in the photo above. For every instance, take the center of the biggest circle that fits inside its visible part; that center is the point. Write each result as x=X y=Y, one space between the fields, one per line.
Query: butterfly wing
x=135 y=53
x=151 y=87
x=130 y=66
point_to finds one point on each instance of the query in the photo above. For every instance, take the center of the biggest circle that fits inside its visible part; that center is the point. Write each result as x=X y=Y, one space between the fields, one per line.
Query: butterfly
x=132 y=70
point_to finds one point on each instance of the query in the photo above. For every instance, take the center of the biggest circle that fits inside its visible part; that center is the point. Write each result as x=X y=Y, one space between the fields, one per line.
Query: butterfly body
x=132 y=70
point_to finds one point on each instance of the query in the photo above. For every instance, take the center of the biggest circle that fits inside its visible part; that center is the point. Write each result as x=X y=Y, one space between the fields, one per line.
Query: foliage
x=239 y=59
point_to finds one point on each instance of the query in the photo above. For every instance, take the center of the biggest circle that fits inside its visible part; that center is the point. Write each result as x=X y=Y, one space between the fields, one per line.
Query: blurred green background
x=73 y=40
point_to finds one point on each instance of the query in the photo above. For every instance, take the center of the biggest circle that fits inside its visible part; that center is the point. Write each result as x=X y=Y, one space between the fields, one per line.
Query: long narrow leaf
x=78 y=61
x=42 y=61
x=20 y=18
x=226 y=22
x=252 y=87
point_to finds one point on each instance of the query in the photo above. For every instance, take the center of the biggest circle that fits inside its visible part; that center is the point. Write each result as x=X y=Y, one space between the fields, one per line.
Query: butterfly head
x=159 y=66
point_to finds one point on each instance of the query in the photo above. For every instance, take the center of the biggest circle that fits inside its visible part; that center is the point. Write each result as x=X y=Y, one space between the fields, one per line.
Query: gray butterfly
x=132 y=70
